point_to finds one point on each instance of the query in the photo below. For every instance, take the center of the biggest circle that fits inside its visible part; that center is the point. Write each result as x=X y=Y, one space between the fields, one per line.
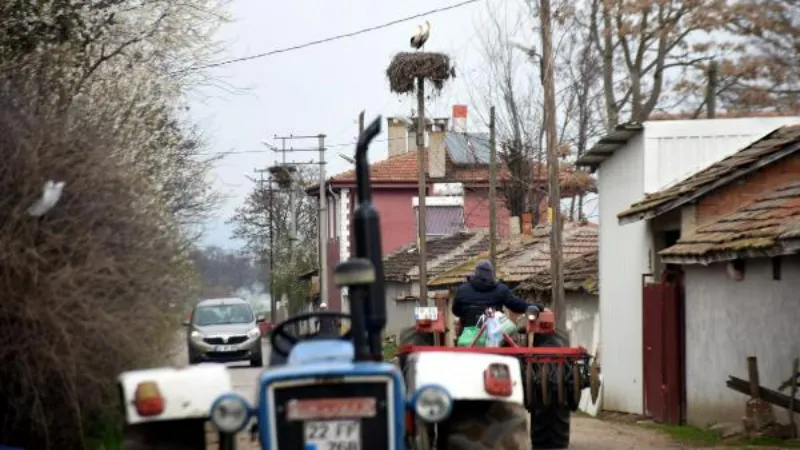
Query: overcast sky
x=320 y=89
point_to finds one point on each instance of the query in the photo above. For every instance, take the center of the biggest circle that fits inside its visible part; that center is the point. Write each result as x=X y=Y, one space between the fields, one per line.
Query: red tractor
x=504 y=397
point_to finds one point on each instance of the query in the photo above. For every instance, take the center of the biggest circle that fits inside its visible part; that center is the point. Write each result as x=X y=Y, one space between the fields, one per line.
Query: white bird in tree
x=421 y=36
x=49 y=198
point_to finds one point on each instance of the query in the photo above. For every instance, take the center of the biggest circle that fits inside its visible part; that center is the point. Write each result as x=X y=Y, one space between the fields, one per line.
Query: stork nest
x=406 y=67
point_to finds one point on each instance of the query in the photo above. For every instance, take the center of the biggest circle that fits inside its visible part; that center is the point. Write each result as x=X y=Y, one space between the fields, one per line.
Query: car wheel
x=257 y=361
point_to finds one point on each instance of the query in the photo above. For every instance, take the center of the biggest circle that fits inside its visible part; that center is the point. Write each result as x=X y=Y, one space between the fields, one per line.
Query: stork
x=421 y=36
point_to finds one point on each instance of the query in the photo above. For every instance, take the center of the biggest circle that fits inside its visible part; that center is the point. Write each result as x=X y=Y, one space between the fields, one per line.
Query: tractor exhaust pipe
x=366 y=222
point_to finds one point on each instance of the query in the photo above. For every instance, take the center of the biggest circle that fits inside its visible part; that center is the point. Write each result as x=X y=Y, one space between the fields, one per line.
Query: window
x=444 y=220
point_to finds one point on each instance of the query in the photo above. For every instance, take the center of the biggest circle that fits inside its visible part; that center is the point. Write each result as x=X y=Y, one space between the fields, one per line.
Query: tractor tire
x=481 y=425
x=167 y=435
x=550 y=426
x=410 y=336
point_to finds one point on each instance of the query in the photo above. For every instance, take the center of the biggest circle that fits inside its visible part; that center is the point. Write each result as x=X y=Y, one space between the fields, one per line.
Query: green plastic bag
x=468 y=335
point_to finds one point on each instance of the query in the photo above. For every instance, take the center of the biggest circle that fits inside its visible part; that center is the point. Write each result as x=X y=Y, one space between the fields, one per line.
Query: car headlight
x=254 y=333
x=432 y=403
x=196 y=335
x=230 y=413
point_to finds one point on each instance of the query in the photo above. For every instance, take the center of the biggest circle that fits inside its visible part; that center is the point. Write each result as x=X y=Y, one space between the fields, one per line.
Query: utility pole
x=492 y=189
x=322 y=233
x=711 y=94
x=323 y=225
x=272 y=300
x=422 y=227
x=556 y=267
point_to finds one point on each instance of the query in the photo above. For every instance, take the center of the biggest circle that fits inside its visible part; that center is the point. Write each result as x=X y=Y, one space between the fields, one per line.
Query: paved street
x=588 y=433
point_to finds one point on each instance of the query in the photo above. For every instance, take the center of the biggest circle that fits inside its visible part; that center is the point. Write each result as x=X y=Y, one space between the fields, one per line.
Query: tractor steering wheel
x=283 y=337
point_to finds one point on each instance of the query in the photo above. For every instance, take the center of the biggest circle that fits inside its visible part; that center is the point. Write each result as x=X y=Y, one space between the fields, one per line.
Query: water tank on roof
x=448 y=189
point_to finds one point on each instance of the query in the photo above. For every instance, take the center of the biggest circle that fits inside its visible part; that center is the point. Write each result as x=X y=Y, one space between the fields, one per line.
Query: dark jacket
x=472 y=299
x=327 y=327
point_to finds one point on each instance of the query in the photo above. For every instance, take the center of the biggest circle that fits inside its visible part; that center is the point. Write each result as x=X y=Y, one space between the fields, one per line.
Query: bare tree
x=641 y=42
x=509 y=45
x=290 y=259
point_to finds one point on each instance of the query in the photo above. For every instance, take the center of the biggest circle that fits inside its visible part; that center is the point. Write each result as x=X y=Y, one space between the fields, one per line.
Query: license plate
x=331 y=408
x=333 y=435
x=223 y=348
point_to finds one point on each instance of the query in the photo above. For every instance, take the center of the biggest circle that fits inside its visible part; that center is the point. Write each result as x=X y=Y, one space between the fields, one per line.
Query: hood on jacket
x=483 y=278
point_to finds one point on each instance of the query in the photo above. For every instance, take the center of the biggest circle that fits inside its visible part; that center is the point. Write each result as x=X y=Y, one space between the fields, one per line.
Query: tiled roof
x=521 y=257
x=402 y=264
x=757 y=229
x=403 y=169
x=776 y=145
x=580 y=275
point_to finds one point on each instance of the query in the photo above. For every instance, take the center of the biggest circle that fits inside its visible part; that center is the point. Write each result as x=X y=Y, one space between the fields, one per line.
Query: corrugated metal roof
x=468 y=148
x=757 y=229
x=608 y=144
x=773 y=147
x=521 y=257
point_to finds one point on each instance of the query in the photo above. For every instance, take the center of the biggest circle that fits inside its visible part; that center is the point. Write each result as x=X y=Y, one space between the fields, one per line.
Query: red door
x=663 y=342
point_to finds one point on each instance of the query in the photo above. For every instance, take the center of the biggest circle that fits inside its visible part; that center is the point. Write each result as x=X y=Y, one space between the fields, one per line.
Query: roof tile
x=520 y=257
x=756 y=229
x=401 y=265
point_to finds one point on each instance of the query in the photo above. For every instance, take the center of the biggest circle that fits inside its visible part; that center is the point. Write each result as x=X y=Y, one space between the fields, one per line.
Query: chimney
x=436 y=148
x=460 y=118
x=397 y=136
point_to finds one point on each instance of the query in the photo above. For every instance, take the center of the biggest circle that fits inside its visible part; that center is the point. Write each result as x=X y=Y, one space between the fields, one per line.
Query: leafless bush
x=86 y=288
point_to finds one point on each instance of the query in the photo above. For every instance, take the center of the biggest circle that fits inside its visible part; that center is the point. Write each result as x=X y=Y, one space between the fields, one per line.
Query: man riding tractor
x=482 y=291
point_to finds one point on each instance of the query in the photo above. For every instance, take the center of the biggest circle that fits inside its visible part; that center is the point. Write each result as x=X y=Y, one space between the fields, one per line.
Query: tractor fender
x=462 y=374
x=188 y=392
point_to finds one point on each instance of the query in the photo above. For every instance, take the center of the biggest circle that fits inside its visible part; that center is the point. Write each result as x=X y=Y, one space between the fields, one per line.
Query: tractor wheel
x=481 y=425
x=410 y=336
x=550 y=426
x=167 y=435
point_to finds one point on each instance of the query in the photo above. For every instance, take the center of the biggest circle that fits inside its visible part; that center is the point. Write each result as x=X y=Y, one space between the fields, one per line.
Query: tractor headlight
x=432 y=404
x=254 y=333
x=230 y=413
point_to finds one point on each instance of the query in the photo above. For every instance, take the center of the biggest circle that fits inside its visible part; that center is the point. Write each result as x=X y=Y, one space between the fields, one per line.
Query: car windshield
x=223 y=315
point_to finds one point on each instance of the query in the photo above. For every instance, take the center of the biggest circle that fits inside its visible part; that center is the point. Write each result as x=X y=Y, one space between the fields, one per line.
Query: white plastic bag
x=494 y=332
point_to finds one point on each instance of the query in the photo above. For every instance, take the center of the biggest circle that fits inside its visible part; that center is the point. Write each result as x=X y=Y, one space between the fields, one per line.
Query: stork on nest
x=419 y=38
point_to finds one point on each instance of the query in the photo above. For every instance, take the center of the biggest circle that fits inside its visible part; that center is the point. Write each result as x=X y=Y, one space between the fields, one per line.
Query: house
x=523 y=263
x=580 y=295
x=401 y=271
x=739 y=223
x=635 y=160
x=457 y=196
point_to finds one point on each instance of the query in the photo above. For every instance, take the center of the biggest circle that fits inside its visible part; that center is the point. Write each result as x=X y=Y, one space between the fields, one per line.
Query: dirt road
x=589 y=433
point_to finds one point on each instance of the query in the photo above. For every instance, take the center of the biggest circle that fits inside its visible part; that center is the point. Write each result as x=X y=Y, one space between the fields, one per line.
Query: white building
x=634 y=160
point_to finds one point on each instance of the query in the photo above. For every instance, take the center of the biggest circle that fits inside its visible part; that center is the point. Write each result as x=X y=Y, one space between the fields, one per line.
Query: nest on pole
x=406 y=67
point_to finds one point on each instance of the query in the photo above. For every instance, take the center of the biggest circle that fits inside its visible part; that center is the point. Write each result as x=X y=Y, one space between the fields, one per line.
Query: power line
x=326 y=40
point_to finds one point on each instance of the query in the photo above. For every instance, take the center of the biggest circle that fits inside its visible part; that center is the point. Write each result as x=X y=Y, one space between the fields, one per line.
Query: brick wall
x=737 y=194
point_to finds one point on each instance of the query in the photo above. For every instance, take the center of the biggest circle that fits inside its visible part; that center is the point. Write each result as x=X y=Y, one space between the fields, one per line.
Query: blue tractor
x=334 y=391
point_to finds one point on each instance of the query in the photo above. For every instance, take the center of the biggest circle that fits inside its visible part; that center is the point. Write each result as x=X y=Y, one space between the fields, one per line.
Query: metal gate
x=663 y=343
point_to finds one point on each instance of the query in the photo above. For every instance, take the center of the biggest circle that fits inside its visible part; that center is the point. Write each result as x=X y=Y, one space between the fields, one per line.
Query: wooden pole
x=548 y=79
x=711 y=94
x=492 y=189
x=422 y=216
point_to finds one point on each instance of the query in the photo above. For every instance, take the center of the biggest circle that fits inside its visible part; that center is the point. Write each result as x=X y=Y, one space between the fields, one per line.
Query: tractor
x=506 y=397
x=320 y=390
